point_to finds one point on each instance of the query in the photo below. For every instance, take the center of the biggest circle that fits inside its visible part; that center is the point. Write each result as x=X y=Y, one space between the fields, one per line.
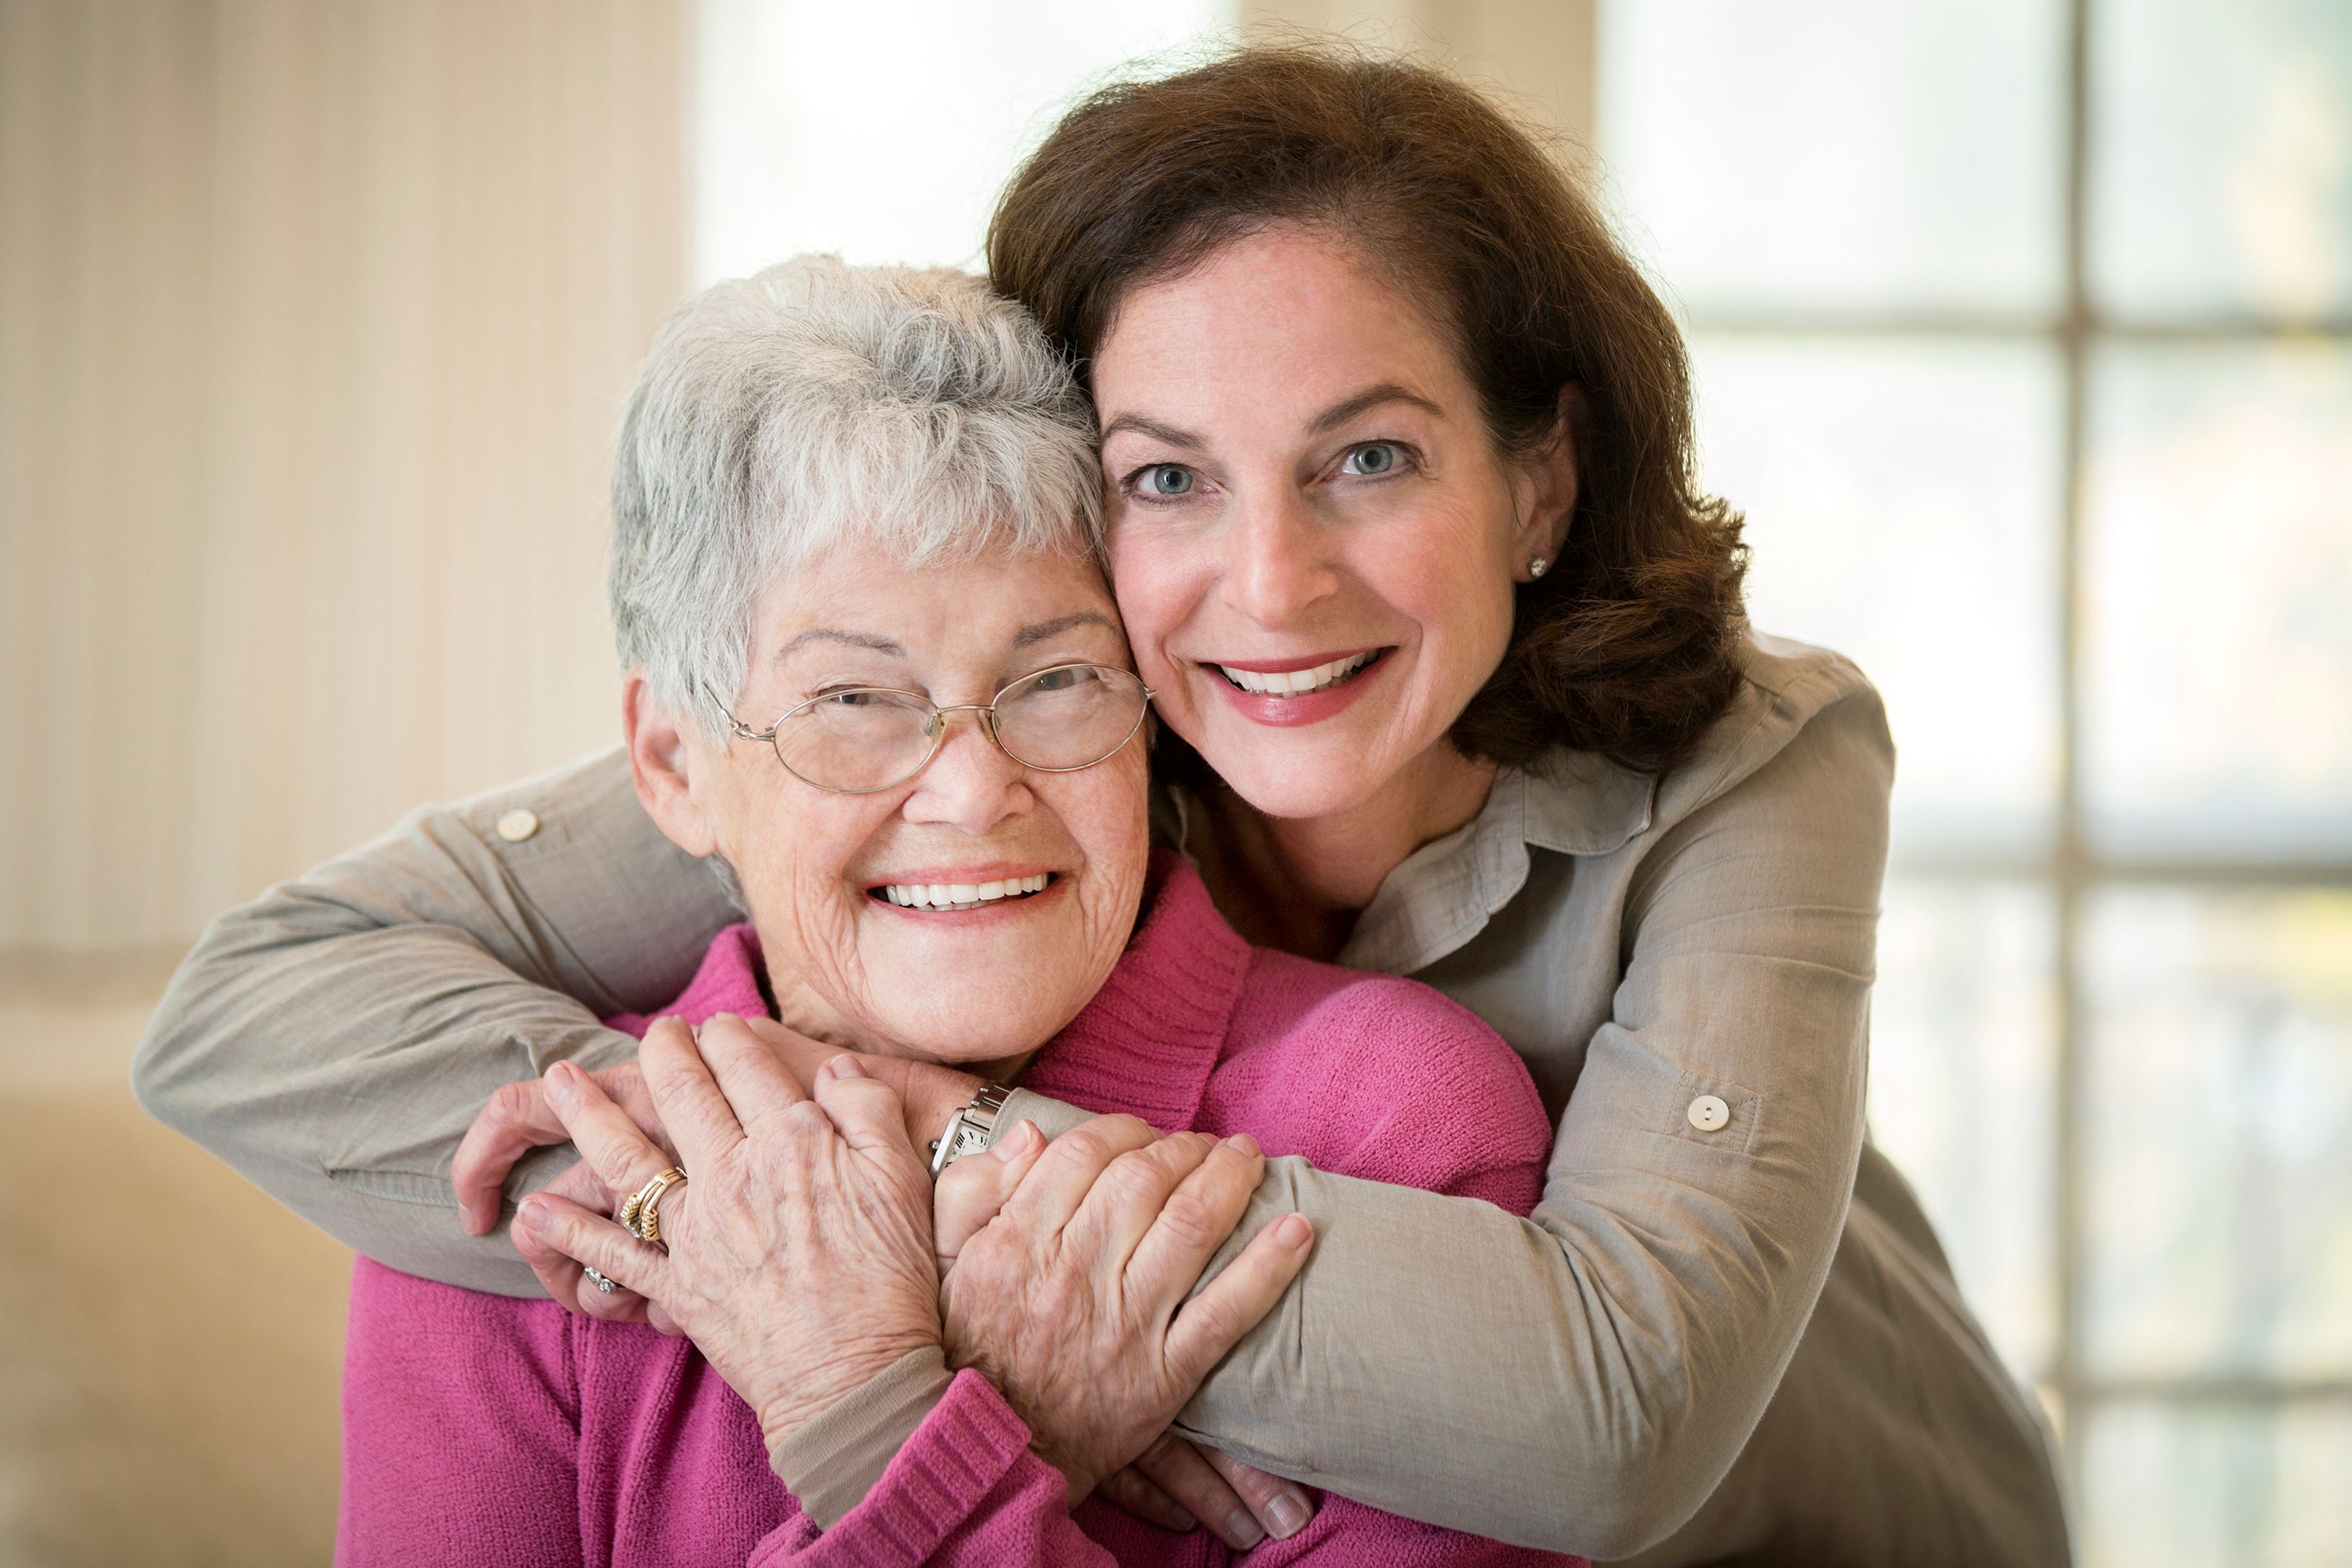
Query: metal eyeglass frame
x=935 y=725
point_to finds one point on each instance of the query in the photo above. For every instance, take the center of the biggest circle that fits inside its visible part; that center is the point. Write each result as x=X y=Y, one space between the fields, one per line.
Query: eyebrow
x=854 y=639
x=1330 y=419
x=1028 y=637
x=1372 y=397
x=1153 y=428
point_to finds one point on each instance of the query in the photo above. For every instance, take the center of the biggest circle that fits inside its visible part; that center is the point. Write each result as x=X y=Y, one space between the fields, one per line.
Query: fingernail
x=559 y=1079
x=1292 y=1230
x=1242 y=1528
x=1014 y=1142
x=535 y=1214
x=845 y=1066
x=1243 y=1143
x=1288 y=1512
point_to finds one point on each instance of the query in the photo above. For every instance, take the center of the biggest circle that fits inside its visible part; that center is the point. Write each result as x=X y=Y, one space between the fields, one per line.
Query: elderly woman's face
x=848 y=964
x=1314 y=537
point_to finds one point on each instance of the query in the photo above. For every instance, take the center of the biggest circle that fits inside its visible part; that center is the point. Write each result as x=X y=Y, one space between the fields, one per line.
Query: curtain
x=314 y=325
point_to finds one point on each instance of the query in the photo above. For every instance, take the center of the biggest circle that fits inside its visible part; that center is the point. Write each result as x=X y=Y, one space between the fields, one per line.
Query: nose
x=1279 y=563
x=971 y=785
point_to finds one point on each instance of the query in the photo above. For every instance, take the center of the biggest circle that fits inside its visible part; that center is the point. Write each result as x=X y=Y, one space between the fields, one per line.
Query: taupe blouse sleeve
x=333 y=1039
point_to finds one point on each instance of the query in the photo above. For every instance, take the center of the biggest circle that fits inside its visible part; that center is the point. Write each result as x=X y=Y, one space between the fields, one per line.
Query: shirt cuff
x=833 y=1460
x=1053 y=1118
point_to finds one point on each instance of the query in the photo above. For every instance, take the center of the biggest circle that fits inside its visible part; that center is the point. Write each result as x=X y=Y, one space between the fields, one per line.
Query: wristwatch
x=971 y=1129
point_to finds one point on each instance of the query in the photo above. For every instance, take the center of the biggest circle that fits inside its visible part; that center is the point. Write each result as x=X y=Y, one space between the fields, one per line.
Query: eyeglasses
x=863 y=739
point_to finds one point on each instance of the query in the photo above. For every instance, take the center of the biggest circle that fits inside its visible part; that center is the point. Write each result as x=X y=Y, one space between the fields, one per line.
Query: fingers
x=1067 y=1172
x=1133 y=1490
x=1134 y=1196
x=800 y=1055
x=1189 y=1227
x=516 y=1120
x=1283 y=1507
x=972 y=1191
x=685 y=1094
x=622 y=1158
x=1230 y=1305
x=1185 y=1476
x=865 y=1111
x=756 y=1086
x=591 y=1238
x=561 y=1275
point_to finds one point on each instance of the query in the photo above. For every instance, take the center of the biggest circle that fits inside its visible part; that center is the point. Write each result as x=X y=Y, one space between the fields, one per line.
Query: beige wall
x=315 y=319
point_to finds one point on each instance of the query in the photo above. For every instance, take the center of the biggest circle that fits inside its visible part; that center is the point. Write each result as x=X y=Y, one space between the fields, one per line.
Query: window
x=2023 y=334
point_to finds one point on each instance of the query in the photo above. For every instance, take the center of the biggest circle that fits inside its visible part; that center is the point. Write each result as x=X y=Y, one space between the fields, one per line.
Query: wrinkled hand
x=519 y=1119
x=798 y=1255
x=1071 y=1299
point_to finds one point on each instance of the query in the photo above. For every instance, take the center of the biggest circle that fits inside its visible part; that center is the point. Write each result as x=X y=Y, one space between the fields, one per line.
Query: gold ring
x=641 y=1214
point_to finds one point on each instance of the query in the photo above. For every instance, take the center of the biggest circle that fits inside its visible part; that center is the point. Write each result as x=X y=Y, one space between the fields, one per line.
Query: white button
x=1708 y=1114
x=517 y=826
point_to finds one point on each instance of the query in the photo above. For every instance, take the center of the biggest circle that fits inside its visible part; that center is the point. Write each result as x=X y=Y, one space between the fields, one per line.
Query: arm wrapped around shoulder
x=1583 y=1378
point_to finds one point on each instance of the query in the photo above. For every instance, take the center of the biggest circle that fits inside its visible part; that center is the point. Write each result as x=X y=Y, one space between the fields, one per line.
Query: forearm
x=1585 y=1397
x=333 y=1039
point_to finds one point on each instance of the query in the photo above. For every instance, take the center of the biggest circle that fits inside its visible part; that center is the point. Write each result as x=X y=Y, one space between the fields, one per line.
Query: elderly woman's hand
x=1071 y=1298
x=519 y=1119
x=798 y=1255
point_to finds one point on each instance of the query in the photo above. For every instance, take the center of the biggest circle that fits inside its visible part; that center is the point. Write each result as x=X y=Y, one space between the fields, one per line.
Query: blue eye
x=1165 y=481
x=1373 y=460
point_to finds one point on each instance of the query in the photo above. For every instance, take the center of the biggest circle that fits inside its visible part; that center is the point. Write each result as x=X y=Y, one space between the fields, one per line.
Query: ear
x=1546 y=490
x=661 y=761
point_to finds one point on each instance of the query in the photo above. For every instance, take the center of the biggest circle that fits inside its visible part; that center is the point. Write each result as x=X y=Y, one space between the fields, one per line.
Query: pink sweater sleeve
x=965 y=1490
x=460 y=1427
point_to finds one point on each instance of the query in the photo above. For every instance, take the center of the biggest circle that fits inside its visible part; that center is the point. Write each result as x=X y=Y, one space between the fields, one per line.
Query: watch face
x=970 y=1141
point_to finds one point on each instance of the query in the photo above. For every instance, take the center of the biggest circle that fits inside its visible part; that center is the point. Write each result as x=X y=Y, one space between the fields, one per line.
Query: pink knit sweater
x=480 y=1429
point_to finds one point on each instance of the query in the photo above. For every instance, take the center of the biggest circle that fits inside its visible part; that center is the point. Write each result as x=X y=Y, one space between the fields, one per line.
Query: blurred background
x=2024 y=337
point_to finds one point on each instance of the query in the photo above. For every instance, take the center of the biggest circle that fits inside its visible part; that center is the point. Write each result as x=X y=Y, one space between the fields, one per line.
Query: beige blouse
x=1727 y=1329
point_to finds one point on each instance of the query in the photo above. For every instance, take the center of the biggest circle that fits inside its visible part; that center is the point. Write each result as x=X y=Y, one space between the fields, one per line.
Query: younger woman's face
x=1313 y=540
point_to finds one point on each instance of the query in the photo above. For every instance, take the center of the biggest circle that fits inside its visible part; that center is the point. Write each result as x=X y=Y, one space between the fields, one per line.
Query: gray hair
x=816 y=403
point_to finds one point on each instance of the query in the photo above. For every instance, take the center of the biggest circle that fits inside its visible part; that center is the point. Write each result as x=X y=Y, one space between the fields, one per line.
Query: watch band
x=971 y=1129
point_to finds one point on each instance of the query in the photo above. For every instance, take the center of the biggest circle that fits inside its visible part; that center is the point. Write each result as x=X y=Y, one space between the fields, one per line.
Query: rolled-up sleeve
x=333 y=1038
x=1582 y=1379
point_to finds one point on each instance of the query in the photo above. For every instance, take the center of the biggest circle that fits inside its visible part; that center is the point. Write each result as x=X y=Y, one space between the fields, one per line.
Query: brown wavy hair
x=1629 y=646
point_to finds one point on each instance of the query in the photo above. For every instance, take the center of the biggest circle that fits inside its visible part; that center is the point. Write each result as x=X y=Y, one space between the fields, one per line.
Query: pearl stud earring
x=1539 y=566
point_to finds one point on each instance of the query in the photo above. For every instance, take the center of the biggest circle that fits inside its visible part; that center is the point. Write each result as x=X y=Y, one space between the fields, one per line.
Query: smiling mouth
x=1300 y=682
x=950 y=897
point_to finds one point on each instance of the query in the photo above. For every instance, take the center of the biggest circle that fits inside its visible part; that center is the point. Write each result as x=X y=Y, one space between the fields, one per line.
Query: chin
x=1298 y=780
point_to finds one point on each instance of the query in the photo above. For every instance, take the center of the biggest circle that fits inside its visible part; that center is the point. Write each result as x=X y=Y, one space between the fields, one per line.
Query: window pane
x=2221 y=1485
x=1838 y=155
x=2218 y=1086
x=2221 y=157
x=1900 y=497
x=2218 y=576
x=1963 y=1027
x=799 y=148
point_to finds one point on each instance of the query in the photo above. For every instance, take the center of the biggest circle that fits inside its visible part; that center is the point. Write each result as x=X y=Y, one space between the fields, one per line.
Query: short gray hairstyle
x=816 y=402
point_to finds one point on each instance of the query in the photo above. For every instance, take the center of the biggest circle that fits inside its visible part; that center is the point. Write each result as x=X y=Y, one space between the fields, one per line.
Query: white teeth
x=961 y=895
x=1292 y=683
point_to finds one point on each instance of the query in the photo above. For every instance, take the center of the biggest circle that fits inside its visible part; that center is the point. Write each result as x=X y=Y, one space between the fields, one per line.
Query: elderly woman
x=1404 y=534
x=855 y=504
